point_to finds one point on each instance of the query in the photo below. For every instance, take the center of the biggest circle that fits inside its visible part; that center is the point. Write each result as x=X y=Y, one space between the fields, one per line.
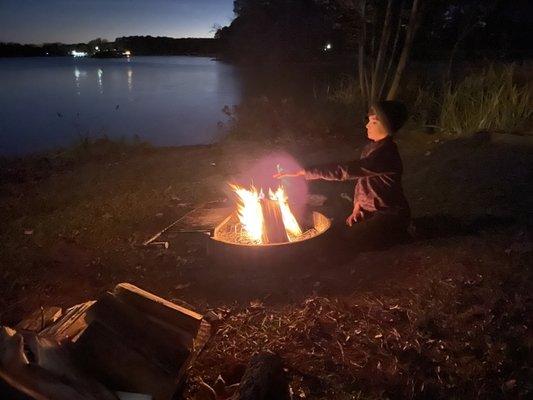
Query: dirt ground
x=446 y=315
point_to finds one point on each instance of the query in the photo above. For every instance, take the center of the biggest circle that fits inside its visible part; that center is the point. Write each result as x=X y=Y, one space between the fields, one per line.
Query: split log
x=264 y=379
x=38 y=383
x=273 y=227
x=105 y=355
x=40 y=319
x=156 y=307
x=70 y=324
x=167 y=348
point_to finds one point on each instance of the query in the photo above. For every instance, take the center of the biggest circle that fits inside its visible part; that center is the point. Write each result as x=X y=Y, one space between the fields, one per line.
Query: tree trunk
x=361 y=60
x=392 y=55
x=383 y=46
x=414 y=21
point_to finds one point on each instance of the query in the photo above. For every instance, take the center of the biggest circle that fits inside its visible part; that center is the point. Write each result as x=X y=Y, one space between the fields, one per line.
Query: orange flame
x=250 y=212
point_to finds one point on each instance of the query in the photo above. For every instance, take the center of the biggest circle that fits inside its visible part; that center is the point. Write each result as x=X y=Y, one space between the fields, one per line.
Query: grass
x=494 y=99
x=491 y=100
x=414 y=321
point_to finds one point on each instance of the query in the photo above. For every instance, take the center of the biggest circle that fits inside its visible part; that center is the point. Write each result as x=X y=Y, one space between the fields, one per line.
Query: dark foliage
x=297 y=30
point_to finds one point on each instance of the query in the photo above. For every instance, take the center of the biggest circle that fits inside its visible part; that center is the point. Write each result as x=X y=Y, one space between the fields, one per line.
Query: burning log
x=273 y=226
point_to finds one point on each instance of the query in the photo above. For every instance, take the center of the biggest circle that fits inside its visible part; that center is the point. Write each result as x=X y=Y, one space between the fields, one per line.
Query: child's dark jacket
x=378 y=176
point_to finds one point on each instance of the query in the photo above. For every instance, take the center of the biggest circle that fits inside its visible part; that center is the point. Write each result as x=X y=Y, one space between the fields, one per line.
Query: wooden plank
x=40 y=319
x=203 y=218
x=158 y=307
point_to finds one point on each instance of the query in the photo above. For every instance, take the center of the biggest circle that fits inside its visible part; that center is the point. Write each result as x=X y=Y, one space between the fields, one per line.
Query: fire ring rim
x=327 y=220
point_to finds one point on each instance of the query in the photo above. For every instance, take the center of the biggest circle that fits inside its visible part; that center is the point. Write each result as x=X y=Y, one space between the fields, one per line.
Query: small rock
x=159 y=215
x=28 y=231
x=427 y=153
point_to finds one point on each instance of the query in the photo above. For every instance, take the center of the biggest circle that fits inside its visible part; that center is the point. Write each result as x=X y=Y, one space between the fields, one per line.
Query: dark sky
x=71 y=21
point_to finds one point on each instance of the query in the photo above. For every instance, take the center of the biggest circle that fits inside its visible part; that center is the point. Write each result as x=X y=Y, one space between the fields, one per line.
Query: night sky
x=72 y=21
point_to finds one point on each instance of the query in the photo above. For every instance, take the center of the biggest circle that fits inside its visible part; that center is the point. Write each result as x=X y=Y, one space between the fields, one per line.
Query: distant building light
x=127 y=53
x=327 y=47
x=78 y=53
x=96 y=48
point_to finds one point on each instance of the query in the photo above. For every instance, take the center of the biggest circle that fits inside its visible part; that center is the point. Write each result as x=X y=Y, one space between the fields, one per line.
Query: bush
x=267 y=120
x=490 y=100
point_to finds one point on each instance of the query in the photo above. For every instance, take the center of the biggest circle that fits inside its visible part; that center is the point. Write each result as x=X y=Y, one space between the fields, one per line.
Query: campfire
x=265 y=218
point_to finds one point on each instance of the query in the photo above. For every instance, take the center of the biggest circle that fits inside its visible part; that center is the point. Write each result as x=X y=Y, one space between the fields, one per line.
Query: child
x=380 y=208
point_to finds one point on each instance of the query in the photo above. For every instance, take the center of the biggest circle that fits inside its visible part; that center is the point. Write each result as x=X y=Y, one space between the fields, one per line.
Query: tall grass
x=346 y=92
x=490 y=100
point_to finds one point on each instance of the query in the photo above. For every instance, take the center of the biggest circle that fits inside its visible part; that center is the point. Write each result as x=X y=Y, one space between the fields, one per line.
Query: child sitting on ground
x=380 y=212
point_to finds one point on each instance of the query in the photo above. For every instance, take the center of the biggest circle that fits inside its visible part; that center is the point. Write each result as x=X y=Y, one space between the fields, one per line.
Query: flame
x=250 y=212
x=291 y=225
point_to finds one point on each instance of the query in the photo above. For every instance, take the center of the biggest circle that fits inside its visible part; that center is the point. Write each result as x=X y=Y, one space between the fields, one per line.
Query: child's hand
x=352 y=219
x=281 y=175
x=355 y=216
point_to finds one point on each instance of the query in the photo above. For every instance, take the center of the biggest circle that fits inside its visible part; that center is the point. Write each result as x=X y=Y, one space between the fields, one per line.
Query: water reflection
x=130 y=79
x=173 y=101
x=77 y=75
x=100 y=74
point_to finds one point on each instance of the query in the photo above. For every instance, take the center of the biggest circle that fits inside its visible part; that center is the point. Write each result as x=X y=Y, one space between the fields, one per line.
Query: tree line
x=138 y=45
x=380 y=36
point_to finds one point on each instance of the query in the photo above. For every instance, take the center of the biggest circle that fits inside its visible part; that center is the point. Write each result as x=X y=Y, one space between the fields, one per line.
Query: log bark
x=264 y=379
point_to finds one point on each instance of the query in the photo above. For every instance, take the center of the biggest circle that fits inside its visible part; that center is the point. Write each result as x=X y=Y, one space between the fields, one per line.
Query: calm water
x=51 y=102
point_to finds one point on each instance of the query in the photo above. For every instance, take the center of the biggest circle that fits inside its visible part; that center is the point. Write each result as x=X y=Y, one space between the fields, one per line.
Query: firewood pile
x=127 y=342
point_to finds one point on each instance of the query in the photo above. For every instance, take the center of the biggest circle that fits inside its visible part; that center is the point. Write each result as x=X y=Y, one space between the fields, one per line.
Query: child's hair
x=392 y=114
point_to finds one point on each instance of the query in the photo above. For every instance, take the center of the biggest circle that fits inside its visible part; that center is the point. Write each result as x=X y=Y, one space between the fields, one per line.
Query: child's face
x=375 y=129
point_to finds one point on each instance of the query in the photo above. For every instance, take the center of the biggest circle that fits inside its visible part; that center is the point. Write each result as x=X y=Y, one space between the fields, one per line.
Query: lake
x=46 y=103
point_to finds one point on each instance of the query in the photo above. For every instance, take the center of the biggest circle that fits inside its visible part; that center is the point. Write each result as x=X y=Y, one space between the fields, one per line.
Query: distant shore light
x=78 y=53
x=327 y=47
x=127 y=53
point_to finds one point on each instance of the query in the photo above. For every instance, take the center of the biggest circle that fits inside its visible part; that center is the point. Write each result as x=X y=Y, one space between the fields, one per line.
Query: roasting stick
x=153 y=239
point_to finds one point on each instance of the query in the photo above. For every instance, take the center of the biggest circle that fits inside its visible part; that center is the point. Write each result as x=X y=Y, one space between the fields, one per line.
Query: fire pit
x=263 y=230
